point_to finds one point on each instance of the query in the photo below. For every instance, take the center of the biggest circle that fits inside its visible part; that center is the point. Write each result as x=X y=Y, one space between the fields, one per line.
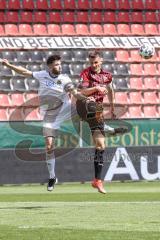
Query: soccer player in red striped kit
x=96 y=83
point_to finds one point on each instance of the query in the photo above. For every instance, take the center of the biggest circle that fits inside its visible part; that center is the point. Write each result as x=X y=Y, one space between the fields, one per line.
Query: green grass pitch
x=129 y=211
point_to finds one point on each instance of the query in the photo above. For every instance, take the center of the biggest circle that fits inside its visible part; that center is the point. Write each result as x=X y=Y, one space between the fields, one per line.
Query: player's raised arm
x=15 y=68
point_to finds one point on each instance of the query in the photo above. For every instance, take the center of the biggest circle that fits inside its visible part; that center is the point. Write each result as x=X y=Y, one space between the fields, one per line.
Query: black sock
x=98 y=163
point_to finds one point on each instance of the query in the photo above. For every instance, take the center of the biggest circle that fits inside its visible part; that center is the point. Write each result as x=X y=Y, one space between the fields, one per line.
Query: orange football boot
x=97 y=183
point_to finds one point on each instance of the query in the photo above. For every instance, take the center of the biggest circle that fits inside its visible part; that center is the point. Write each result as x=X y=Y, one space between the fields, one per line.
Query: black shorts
x=91 y=112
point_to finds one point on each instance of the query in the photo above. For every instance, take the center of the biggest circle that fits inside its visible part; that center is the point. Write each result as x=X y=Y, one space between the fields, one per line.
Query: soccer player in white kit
x=55 y=104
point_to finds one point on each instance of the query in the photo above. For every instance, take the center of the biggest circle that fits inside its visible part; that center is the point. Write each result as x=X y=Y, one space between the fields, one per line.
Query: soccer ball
x=146 y=51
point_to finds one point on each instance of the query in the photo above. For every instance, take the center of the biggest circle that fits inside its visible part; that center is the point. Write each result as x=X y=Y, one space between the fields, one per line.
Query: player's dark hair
x=53 y=58
x=94 y=54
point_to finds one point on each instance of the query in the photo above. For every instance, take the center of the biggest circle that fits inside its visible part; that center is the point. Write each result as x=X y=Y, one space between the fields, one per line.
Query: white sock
x=108 y=128
x=50 y=160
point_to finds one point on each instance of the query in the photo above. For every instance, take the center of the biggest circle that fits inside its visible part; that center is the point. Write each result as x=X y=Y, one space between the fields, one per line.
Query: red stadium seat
x=25 y=29
x=158 y=69
x=55 y=4
x=96 y=29
x=54 y=29
x=2 y=30
x=2 y=17
x=26 y=17
x=82 y=17
x=121 y=97
x=123 y=29
x=68 y=16
x=158 y=82
x=96 y=17
x=151 y=29
x=110 y=29
x=39 y=29
x=137 y=17
x=17 y=99
x=40 y=17
x=135 y=57
x=135 y=97
x=68 y=29
x=11 y=29
x=150 y=83
x=150 y=69
x=12 y=17
x=3 y=4
x=42 y=4
x=136 y=69
x=31 y=99
x=151 y=4
x=83 y=4
x=123 y=4
x=137 y=29
x=55 y=17
x=97 y=4
x=135 y=112
x=123 y=17
x=28 y=4
x=3 y=114
x=150 y=112
x=110 y=4
x=137 y=4
x=16 y=114
x=150 y=97
x=69 y=4
x=82 y=29
x=31 y=114
x=136 y=83
x=109 y=17
x=14 y=4
x=150 y=17
x=122 y=55
x=4 y=100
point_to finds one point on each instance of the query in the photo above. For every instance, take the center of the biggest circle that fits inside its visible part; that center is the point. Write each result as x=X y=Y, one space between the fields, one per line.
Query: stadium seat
x=151 y=4
x=54 y=17
x=123 y=17
x=158 y=69
x=137 y=4
x=68 y=29
x=3 y=114
x=82 y=17
x=124 y=4
x=150 y=17
x=150 y=97
x=18 y=84
x=150 y=83
x=137 y=29
x=22 y=56
x=26 y=17
x=83 y=4
x=14 y=4
x=40 y=17
x=135 y=57
x=54 y=29
x=10 y=55
x=15 y=114
x=109 y=17
x=25 y=29
x=66 y=69
x=31 y=99
x=109 y=56
x=136 y=69
x=31 y=114
x=68 y=16
x=4 y=71
x=12 y=17
x=96 y=17
x=82 y=29
x=158 y=82
x=97 y=4
x=110 y=29
x=136 y=83
x=137 y=17
x=80 y=55
x=135 y=112
x=2 y=17
x=69 y=4
x=39 y=29
x=33 y=67
x=96 y=29
x=32 y=84
x=110 y=4
x=120 y=83
x=36 y=56
x=122 y=55
x=66 y=55
x=2 y=30
x=76 y=69
x=135 y=97
x=11 y=29
x=151 y=29
x=5 y=84
x=28 y=4
x=150 y=69
x=17 y=99
x=3 y=4
x=121 y=69
x=123 y=29
x=4 y=100
x=108 y=67
x=121 y=98
x=150 y=112
x=55 y=4
x=42 y=4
